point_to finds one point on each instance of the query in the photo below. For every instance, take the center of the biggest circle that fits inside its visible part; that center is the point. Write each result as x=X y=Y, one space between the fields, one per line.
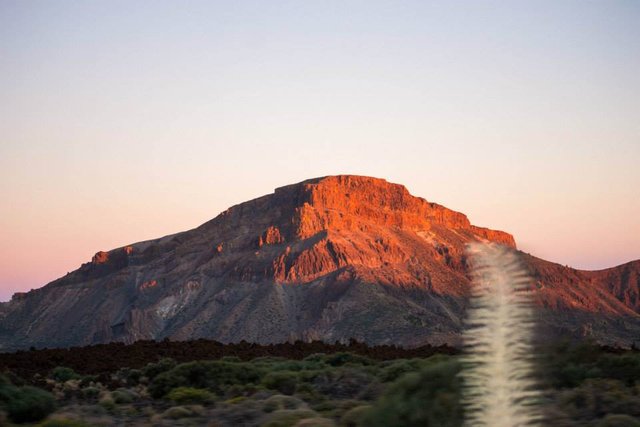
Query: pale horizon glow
x=126 y=121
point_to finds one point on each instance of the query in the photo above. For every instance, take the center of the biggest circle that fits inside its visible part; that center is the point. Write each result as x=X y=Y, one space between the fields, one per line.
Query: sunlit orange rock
x=148 y=285
x=100 y=257
x=271 y=236
x=329 y=258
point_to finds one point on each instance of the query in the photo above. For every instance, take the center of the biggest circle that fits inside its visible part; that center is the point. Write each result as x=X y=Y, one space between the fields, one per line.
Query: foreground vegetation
x=585 y=386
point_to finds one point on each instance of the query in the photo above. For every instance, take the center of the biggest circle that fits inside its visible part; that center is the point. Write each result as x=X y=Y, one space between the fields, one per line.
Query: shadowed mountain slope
x=330 y=258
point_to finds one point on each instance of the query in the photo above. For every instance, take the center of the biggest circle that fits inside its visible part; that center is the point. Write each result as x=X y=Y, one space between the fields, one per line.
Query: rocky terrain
x=328 y=259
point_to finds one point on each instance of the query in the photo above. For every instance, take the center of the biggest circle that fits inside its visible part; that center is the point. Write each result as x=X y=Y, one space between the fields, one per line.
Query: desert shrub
x=178 y=412
x=283 y=381
x=71 y=388
x=237 y=390
x=271 y=364
x=87 y=380
x=90 y=392
x=64 y=422
x=618 y=420
x=372 y=391
x=287 y=365
x=183 y=395
x=336 y=408
x=130 y=377
x=315 y=422
x=245 y=413
x=62 y=374
x=344 y=358
x=152 y=370
x=213 y=375
x=288 y=417
x=26 y=404
x=430 y=397
x=354 y=417
x=123 y=396
x=394 y=369
x=308 y=393
x=315 y=358
x=595 y=398
x=4 y=381
x=341 y=383
x=623 y=367
x=12 y=378
x=567 y=365
x=279 y=402
x=268 y=360
x=107 y=402
x=337 y=359
x=236 y=400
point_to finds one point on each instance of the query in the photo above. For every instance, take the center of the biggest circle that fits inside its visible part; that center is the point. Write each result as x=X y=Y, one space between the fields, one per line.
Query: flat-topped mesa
x=330 y=258
x=350 y=202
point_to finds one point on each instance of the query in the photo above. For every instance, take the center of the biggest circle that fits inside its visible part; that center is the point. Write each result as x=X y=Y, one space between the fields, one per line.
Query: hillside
x=329 y=259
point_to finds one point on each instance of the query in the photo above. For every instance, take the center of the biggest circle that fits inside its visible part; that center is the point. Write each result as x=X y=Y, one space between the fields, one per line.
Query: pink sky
x=120 y=125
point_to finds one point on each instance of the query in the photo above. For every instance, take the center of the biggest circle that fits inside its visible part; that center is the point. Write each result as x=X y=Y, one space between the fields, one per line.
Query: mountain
x=329 y=258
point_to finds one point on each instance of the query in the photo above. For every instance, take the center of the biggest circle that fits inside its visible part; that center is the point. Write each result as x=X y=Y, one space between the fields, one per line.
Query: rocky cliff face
x=330 y=258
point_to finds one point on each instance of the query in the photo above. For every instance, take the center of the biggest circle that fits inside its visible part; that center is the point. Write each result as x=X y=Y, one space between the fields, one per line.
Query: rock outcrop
x=330 y=258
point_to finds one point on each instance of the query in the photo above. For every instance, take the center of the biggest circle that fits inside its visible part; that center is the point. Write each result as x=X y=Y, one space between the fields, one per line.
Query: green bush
x=430 y=397
x=290 y=365
x=344 y=358
x=107 y=402
x=355 y=416
x=184 y=395
x=394 y=369
x=338 y=359
x=618 y=420
x=62 y=374
x=308 y=393
x=213 y=375
x=236 y=400
x=90 y=392
x=596 y=397
x=623 y=367
x=244 y=390
x=340 y=383
x=288 y=417
x=130 y=377
x=315 y=422
x=26 y=404
x=283 y=381
x=279 y=402
x=87 y=380
x=123 y=396
x=152 y=370
x=64 y=422
x=177 y=412
x=567 y=365
x=12 y=378
x=336 y=408
x=4 y=381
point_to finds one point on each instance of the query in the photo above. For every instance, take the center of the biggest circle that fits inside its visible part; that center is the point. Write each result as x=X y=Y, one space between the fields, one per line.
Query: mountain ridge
x=329 y=258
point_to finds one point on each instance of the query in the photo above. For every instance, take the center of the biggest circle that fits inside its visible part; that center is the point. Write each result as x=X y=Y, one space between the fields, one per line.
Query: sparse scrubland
x=583 y=385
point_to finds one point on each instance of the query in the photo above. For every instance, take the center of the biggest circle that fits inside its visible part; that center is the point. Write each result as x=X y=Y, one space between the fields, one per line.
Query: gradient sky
x=122 y=121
